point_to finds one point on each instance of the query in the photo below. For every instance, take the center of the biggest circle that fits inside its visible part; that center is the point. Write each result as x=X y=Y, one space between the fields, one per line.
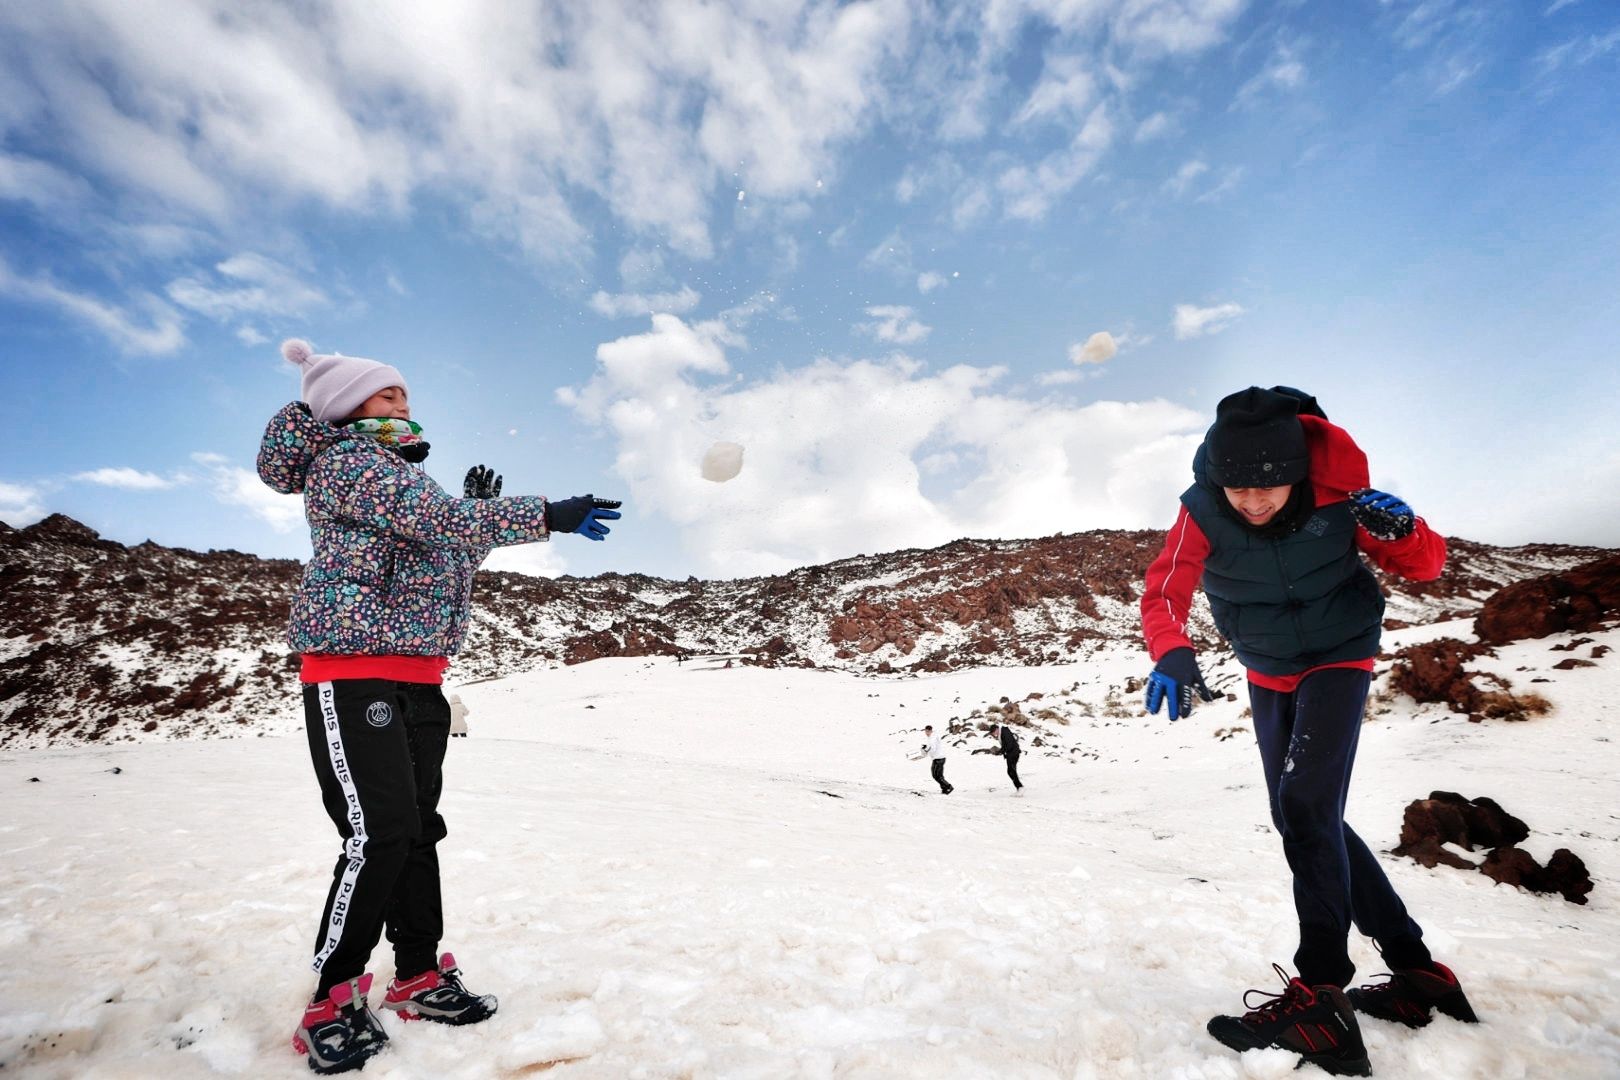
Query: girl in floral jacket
x=382 y=607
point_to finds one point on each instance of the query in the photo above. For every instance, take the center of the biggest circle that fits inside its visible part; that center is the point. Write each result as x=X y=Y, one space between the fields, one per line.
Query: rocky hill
x=103 y=642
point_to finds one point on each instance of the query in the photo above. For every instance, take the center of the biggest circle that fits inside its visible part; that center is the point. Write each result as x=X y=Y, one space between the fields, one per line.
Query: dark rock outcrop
x=1446 y=817
x=1434 y=671
x=1577 y=599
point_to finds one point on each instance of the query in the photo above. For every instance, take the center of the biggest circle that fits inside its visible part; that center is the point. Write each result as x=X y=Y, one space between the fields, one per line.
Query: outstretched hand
x=481 y=483
x=582 y=514
x=1386 y=517
x=1174 y=679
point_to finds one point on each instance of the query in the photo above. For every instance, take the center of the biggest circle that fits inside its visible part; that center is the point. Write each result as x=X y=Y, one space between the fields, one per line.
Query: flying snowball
x=722 y=462
x=1099 y=348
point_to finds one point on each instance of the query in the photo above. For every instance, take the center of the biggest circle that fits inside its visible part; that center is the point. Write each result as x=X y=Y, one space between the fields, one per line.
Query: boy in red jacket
x=1274 y=527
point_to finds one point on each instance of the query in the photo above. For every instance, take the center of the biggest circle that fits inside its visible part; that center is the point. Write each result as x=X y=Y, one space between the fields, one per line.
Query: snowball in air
x=722 y=462
x=1099 y=348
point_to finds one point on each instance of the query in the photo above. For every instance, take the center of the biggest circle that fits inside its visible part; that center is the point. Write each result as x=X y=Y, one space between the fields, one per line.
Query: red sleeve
x=1171 y=579
x=1418 y=556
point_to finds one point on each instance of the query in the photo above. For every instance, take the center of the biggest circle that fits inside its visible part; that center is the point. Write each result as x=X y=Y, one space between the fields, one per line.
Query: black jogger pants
x=378 y=750
x=1307 y=748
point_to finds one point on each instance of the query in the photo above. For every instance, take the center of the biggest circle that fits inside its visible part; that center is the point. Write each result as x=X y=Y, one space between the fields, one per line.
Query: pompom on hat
x=1256 y=441
x=334 y=386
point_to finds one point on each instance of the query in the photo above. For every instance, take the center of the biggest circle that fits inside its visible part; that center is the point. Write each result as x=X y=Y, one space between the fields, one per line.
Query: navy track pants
x=1308 y=742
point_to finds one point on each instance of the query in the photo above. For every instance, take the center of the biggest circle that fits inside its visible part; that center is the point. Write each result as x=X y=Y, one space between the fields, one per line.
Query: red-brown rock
x=1446 y=817
x=1577 y=599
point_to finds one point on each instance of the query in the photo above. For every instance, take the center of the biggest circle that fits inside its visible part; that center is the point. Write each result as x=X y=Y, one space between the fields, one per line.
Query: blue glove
x=1174 y=678
x=481 y=483
x=583 y=514
x=1386 y=517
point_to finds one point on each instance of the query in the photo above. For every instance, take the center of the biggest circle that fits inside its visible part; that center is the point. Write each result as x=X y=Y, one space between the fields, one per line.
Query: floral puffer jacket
x=392 y=571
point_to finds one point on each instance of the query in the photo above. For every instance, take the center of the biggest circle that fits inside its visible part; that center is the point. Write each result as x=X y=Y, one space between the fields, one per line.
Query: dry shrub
x=1505 y=705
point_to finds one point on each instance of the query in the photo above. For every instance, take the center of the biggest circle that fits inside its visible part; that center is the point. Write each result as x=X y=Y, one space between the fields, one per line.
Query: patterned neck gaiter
x=404 y=437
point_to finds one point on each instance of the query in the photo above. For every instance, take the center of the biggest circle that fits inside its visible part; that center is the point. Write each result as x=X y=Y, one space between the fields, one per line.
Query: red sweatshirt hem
x=1287 y=684
x=324 y=667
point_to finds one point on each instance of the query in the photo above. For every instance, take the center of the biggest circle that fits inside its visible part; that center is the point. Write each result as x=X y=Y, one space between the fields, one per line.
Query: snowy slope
x=683 y=870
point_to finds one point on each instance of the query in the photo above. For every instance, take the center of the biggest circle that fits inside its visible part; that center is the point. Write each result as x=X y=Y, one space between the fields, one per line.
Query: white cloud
x=1230 y=179
x=536 y=560
x=526 y=114
x=648 y=108
x=236 y=486
x=126 y=478
x=1192 y=321
x=1175 y=26
x=1064 y=92
x=624 y=305
x=970 y=205
x=1029 y=192
x=891 y=254
x=20 y=504
x=1454 y=38
x=249 y=334
x=928 y=281
x=156 y=330
x=1099 y=348
x=42 y=184
x=1153 y=127
x=1179 y=184
x=1194 y=174
x=247 y=284
x=1284 y=72
x=1576 y=52
x=895 y=324
x=837 y=451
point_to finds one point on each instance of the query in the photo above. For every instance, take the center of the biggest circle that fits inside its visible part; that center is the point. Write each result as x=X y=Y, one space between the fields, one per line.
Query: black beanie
x=1256 y=441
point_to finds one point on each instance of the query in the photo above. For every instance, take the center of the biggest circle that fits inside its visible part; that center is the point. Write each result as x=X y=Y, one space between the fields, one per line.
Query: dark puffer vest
x=1287 y=602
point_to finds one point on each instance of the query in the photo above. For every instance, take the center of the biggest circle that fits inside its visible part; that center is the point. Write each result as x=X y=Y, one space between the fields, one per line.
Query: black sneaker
x=1409 y=995
x=339 y=1033
x=439 y=996
x=1315 y=1022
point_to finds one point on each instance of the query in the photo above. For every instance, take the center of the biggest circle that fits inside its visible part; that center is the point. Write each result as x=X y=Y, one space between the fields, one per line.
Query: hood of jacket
x=1338 y=466
x=292 y=441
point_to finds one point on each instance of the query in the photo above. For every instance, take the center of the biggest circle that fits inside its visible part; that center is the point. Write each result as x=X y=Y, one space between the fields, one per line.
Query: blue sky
x=943 y=270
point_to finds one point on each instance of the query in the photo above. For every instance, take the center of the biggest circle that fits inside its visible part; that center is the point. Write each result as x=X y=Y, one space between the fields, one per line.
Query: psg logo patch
x=378 y=714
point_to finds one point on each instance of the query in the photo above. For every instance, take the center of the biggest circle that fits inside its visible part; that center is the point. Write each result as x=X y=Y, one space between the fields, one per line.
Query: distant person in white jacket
x=934 y=750
x=458 y=717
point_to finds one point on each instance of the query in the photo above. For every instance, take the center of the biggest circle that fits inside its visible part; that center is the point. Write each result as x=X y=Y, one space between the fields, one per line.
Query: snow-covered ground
x=682 y=870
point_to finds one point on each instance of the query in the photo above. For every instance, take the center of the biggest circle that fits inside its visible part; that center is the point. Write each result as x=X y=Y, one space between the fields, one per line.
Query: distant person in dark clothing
x=1010 y=751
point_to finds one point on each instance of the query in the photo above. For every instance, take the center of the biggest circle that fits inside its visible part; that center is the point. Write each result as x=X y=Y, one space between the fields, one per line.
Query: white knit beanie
x=335 y=386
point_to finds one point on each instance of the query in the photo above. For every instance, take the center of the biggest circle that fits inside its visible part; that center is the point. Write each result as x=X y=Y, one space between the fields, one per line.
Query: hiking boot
x=1410 y=994
x=1315 y=1022
x=439 y=996
x=339 y=1033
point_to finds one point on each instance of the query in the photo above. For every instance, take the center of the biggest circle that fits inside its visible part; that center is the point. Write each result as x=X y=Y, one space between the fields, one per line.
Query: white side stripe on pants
x=355 y=846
